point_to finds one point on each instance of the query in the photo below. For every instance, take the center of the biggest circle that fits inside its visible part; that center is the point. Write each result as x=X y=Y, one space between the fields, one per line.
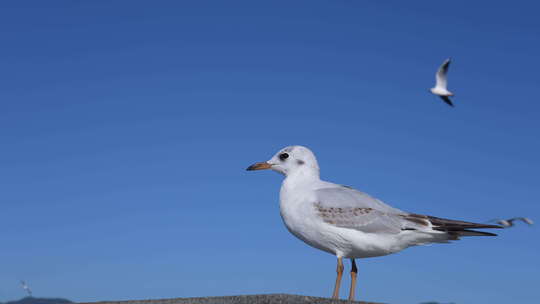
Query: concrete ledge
x=244 y=299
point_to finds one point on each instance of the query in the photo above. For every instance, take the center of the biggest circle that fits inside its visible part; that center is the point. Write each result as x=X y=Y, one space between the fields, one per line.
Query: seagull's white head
x=290 y=160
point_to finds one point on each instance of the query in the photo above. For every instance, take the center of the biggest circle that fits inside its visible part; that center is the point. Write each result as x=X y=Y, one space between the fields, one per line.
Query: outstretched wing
x=440 y=77
x=523 y=219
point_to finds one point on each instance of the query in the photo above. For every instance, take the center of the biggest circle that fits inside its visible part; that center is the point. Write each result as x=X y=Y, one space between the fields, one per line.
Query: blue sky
x=126 y=128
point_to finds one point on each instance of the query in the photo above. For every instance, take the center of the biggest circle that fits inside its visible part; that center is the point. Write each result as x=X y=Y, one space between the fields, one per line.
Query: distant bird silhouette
x=510 y=222
x=26 y=288
x=440 y=88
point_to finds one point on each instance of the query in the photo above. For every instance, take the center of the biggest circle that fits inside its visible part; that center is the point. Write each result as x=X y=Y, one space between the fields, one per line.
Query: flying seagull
x=510 y=222
x=440 y=88
x=26 y=288
x=348 y=223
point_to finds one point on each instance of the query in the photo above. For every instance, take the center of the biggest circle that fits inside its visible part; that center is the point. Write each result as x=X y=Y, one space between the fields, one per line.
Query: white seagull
x=26 y=288
x=348 y=223
x=440 y=88
x=510 y=222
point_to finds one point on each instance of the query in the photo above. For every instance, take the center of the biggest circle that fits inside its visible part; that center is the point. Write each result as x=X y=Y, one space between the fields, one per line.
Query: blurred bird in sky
x=26 y=288
x=441 y=84
x=510 y=222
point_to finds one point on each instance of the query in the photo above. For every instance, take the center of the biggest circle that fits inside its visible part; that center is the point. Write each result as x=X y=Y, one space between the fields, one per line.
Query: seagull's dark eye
x=283 y=156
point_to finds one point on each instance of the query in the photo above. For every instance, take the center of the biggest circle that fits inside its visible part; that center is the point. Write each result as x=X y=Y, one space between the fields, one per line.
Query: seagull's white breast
x=441 y=91
x=300 y=218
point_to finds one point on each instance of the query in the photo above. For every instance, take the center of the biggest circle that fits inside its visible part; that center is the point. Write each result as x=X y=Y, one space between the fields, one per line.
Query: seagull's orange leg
x=339 y=271
x=354 y=271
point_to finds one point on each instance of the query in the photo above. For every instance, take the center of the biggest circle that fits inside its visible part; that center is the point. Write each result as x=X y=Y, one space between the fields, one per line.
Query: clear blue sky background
x=126 y=128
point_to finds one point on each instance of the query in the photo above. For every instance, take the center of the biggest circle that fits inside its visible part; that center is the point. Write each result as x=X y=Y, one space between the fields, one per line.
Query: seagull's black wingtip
x=447 y=100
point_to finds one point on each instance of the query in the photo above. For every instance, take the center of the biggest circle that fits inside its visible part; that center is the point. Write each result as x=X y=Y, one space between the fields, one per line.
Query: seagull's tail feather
x=454 y=229
x=466 y=232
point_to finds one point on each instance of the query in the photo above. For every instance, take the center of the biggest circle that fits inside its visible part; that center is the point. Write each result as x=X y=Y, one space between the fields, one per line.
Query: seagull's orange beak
x=259 y=166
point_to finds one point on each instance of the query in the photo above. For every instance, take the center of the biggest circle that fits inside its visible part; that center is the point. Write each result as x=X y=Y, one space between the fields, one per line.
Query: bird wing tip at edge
x=448 y=101
x=467 y=232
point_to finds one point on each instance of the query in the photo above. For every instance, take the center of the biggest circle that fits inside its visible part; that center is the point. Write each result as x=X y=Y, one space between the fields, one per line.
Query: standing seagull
x=348 y=223
x=441 y=83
